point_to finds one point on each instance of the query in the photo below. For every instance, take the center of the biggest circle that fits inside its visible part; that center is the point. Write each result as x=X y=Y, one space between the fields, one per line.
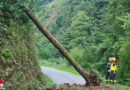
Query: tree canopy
x=92 y=31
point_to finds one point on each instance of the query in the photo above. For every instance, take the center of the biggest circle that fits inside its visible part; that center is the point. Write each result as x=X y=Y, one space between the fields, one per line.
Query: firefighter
x=108 y=70
x=113 y=70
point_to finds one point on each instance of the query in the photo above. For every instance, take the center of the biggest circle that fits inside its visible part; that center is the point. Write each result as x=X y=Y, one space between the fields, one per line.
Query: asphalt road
x=61 y=77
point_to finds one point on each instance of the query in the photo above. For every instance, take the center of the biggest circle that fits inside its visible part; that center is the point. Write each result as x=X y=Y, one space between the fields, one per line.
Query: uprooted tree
x=91 y=78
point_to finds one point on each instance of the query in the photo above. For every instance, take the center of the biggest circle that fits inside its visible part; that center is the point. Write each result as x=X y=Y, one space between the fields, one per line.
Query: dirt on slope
x=79 y=87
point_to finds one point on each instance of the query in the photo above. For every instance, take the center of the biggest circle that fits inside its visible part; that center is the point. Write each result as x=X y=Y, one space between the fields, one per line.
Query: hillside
x=19 y=68
x=91 y=30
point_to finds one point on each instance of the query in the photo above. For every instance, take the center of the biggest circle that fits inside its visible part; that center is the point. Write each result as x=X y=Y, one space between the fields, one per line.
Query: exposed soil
x=78 y=87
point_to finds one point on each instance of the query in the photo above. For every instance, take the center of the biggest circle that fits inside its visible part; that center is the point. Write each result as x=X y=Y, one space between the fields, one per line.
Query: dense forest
x=91 y=30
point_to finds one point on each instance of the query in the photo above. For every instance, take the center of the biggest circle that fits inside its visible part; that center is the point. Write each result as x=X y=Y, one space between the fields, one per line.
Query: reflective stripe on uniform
x=109 y=70
x=114 y=80
x=112 y=67
x=107 y=80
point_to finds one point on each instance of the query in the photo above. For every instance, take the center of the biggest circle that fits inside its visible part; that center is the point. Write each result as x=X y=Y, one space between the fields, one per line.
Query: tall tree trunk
x=53 y=40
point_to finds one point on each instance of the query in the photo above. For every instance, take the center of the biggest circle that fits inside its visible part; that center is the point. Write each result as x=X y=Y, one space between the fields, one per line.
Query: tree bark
x=56 y=43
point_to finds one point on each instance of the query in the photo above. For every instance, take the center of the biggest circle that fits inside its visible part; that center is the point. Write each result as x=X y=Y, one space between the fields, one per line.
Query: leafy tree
x=124 y=53
x=79 y=30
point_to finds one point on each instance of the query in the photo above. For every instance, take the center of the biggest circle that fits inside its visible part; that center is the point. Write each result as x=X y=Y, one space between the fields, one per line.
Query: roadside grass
x=48 y=83
x=123 y=87
x=63 y=68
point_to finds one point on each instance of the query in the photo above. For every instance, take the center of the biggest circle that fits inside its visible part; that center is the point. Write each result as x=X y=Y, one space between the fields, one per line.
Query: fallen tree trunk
x=87 y=76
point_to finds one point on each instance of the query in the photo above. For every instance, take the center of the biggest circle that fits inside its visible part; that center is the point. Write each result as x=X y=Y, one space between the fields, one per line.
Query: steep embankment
x=19 y=68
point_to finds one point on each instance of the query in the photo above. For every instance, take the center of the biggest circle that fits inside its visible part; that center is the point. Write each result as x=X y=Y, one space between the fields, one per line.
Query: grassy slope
x=63 y=68
x=48 y=82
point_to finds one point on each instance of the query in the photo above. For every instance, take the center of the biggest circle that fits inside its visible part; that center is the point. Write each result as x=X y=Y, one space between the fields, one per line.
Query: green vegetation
x=124 y=87
x=48 y=82
x=91 y=30
x=19 y=68
x=63 y=68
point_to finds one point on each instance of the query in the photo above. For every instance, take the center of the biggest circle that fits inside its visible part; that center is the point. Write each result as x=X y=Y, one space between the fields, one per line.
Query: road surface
x=61 y=77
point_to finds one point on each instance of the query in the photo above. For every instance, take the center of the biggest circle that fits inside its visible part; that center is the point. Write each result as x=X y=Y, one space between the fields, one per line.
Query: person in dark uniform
x=108 y=71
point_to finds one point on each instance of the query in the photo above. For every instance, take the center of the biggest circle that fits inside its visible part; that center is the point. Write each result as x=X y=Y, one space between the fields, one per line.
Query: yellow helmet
x=113 y=59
